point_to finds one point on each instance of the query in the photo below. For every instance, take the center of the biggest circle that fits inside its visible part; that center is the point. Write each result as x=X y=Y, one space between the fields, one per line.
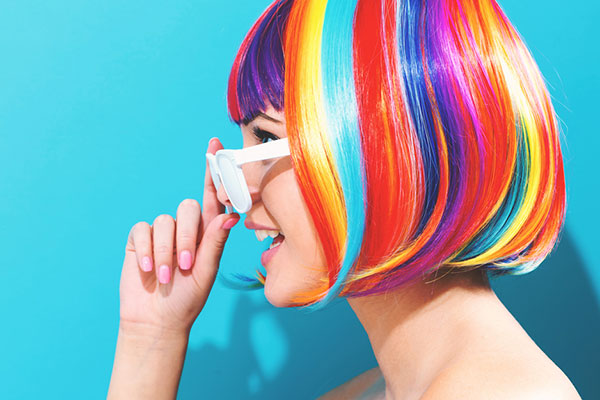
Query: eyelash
x=261 y=135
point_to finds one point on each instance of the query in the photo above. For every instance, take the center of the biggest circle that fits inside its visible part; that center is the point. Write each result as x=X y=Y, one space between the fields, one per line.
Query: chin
x=277 y=297
x=279 y=292
x=284 y=285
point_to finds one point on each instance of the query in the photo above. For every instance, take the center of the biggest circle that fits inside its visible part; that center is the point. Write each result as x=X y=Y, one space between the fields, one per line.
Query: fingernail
x=146 y=264
x=230 y=223
x=164 y=274
x=185 y=260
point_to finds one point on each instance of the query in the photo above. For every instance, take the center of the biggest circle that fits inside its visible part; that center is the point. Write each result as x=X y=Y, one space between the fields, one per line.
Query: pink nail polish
x=230 y=223
x=147 y=264
x=164 y=274
x=185 y=260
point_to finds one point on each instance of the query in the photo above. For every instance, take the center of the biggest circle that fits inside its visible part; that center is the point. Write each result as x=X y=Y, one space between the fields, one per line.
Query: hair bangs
x=256 y=78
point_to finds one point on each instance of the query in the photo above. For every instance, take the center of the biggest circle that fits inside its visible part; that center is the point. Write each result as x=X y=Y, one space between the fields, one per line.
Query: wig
x=421 y=134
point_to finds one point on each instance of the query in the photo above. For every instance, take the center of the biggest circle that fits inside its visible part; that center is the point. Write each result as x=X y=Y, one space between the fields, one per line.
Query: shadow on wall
x=555 y=304
x=322 y=350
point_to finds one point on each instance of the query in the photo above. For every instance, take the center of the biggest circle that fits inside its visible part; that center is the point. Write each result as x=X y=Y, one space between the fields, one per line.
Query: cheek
x=289 y=209
x=300 y=263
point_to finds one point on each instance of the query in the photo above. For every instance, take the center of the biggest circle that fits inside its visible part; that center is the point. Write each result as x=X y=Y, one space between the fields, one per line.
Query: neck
x=416 y=331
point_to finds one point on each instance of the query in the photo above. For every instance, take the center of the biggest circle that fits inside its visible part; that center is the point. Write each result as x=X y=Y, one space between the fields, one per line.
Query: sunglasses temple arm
x=277 y=148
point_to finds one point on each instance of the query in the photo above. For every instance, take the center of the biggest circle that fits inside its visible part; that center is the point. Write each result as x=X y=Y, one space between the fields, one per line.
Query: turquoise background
x=106 y=109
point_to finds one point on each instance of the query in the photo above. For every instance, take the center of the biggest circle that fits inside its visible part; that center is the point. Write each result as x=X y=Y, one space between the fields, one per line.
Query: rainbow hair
x=421 y=134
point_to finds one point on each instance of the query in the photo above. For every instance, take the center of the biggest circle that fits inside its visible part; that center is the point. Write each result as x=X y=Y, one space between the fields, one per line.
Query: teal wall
x=106 y=108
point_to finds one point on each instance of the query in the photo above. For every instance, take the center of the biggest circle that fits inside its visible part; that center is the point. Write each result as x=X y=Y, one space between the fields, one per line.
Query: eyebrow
x=267 y=117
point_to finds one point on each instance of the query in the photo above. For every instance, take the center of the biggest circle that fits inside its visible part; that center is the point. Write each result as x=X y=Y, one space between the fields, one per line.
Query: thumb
x=210 y=250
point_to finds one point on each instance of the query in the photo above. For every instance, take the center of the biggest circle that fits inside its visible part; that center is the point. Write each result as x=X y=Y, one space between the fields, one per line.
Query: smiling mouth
x=268 y=254
x=277 y=241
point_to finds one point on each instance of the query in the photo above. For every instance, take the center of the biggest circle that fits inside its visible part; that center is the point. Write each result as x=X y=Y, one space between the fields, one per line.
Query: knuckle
x=162 y=249
x=218 y=241
x=185 y=237
x=142 y=245
x=219 y=245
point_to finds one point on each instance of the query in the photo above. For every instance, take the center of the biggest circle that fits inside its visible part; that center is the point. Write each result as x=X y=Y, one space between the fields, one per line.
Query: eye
x=262 y=135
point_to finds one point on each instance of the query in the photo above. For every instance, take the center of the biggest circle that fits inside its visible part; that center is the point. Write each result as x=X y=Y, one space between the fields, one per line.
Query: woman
x=399 y=151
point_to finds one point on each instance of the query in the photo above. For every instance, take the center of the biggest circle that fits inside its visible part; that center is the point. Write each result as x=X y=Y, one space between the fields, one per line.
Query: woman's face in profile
x=297 y=263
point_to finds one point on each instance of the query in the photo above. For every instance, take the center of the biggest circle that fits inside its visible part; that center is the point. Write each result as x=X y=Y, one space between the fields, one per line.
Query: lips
x=267 y=255
x=262 y=232
x=253 y=226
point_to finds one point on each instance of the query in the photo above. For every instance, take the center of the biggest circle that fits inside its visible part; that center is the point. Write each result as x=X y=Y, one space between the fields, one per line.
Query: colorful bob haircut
x=421 y=134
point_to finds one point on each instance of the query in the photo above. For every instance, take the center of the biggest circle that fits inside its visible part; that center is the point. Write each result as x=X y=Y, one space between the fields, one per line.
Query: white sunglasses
x=225 y=167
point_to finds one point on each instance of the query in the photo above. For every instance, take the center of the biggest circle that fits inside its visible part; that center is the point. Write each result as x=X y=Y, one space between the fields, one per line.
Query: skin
x=278 y=204
x=447 y=336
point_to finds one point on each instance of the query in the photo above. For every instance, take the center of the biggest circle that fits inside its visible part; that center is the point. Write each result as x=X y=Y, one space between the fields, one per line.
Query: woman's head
x=421 y=136
x=278 y=205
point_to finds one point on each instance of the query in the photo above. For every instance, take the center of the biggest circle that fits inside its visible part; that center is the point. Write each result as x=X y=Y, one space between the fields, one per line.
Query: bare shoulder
x=369 y=385
x=526 y=375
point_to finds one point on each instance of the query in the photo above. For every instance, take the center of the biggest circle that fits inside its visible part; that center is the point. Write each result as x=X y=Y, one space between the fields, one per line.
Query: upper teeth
x=262 y=234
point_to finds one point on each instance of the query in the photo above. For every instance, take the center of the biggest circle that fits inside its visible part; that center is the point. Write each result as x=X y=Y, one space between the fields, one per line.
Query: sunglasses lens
x=232 y=184
x=212 y=167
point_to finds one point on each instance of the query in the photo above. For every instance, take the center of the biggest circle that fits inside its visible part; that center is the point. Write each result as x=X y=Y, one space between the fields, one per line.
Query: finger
x=208 y=255
x=163 y=235
x=211 y=206
x=140 y=241
x=188 y=218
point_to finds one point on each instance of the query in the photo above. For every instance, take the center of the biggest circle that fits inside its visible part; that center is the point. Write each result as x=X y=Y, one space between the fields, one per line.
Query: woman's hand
x=170 y=267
